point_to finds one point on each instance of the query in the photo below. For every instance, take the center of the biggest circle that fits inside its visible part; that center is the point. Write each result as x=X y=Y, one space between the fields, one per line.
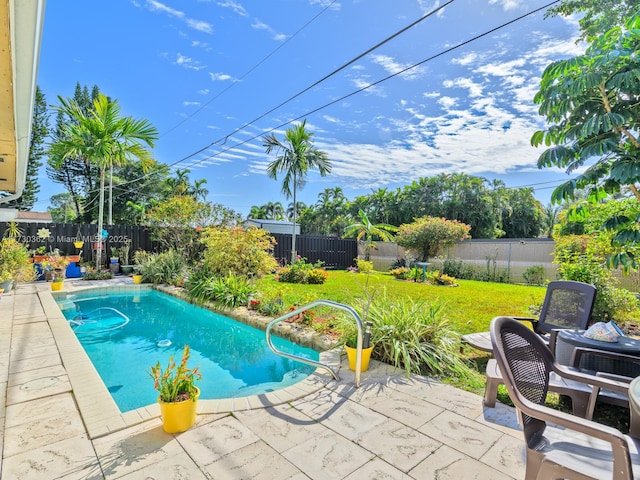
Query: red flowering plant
x=177 y=382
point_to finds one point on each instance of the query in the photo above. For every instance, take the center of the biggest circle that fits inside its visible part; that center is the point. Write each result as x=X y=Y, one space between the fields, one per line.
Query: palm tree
x=257 y=212
x=300 y=206
x=368 y=230
x=295 y=157
x=104 y=138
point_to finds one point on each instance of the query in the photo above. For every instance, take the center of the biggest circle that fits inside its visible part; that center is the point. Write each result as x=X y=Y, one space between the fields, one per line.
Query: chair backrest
x=567 y=304
x=525 y=363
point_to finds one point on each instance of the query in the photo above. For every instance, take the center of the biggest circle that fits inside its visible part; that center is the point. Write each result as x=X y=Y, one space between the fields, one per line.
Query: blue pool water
x=125 y=333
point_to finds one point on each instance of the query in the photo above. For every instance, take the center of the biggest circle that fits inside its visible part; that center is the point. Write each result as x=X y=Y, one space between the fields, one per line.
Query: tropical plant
x=413 y=334
x=227 y=292
x=367 y=230
x=427 y=235
x=166 y=267
x=236 y=251
x=103 y=138
x=176 y=383
x=295 y=157
x=591 y=103
x=15 y=261
x=302 y=272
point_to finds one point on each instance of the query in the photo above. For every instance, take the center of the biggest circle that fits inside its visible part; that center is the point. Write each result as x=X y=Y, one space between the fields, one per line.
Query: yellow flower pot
x=137 y=279
x=351 y=355
x=179 y=416
x=55 y=286
x=78 y=244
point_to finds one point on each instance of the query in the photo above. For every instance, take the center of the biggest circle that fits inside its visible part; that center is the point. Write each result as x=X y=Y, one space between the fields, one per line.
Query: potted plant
x=140 y=258
x=57 y=282
x=178 y=397
x=124 y=256
x=114 y=264
x=349 y=335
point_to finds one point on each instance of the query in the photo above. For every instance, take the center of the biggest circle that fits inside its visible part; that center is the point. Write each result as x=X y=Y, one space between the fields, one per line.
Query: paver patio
x=390 y=427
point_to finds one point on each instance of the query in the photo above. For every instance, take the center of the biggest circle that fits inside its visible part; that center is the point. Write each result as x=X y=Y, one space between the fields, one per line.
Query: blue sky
x=215 y=76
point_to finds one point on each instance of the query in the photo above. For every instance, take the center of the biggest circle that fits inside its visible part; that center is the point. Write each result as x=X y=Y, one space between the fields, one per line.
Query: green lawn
x=469 y=307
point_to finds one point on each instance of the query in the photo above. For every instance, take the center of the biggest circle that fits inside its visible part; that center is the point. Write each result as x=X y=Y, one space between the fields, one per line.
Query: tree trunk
x=294 y=254
x=100 y=223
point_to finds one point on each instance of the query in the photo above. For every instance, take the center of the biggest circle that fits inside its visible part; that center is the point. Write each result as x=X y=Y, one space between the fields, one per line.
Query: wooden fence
x=63 y=235
x=336 y=253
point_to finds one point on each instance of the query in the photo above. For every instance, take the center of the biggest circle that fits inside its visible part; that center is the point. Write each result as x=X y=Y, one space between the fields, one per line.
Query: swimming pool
x=125 y=332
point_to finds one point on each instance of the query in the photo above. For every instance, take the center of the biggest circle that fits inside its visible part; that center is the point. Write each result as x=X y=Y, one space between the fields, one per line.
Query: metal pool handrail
x=326 y=303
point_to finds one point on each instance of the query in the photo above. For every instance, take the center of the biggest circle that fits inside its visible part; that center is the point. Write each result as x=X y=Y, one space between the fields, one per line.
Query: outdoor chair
x=558 y=445
x=567 y=304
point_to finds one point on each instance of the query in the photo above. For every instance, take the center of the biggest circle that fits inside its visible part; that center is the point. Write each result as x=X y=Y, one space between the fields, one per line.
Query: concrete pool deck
x=57 y=423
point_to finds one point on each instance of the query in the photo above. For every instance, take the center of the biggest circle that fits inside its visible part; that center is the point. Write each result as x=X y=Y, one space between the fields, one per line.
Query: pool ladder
x=326 y=303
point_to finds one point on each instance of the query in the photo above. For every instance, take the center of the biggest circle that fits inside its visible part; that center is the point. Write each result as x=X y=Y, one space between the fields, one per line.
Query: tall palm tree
x=104 y=138
x=295 y=157
x=368 y=230
x=299 y=207
x=257 y=212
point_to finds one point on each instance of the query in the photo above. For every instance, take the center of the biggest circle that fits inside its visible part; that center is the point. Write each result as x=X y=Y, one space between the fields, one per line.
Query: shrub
x=97 y=275
x=364 y=266
x=413 y=334
x=579 y=259
x=426 y=235
x=229 y=292
x=235 y=251
x=534 y=275
x=454 y=267
x=399 y=272
x=166 y=267
x=437 y=278
x=302 y=272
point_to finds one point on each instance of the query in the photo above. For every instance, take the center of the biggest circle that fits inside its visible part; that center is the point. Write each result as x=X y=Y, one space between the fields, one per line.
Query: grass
x=469 y=307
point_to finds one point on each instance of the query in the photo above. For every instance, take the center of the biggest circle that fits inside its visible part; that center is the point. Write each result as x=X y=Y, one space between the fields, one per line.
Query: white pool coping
x=99 y=411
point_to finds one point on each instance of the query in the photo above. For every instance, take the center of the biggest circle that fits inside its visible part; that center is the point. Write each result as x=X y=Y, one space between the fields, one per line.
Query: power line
x=384 y=79
x=244 y=75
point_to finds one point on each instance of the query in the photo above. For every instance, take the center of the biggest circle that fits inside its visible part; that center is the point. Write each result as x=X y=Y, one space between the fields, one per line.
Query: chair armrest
x=613 y=376
x=620 y=447
x=593 y=380
x=579 y=352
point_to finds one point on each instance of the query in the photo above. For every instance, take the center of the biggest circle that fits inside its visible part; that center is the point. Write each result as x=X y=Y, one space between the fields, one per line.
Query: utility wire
x=244 y=75
x=388 y=77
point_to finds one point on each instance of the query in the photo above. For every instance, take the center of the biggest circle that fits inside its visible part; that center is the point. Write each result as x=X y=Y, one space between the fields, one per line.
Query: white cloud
x=508 y=4
x=258 y=25
x=447 y=102
x=190 y=104
x=219 y=77
x=392 y=67
x=475 y=89
x=236 y=7
x=155 y=6
x=204 y=91
x=188 y=62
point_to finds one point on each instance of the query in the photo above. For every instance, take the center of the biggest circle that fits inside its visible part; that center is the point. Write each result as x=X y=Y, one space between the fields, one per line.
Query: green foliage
x=426 y=235
x=591 y=105
x=176 y=383
x=435 y=277
x=98 y=275
x=413 y=334
x=15 y=263
x=240 y=252
x=399 y=272
x=579 y=258
x=454 y=267
x=303 y=272
x=228 y=292
x=534 y=275
x=166 y=267
x=367 y=230
x=364 y=266
x=177 y=222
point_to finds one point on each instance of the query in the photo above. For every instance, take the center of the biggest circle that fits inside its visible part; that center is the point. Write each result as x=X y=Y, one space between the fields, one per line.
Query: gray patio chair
x=558 y=445
x=567 y=304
